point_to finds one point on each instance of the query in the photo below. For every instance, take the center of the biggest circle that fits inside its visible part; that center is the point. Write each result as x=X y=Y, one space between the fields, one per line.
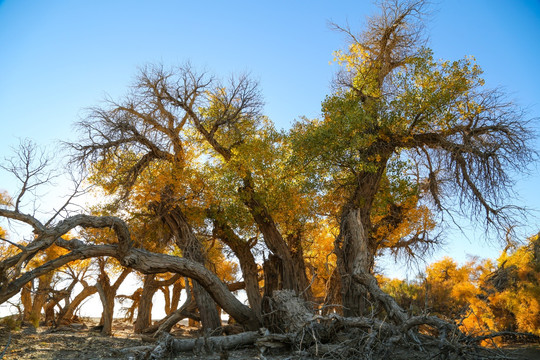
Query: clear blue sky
x=58 y=57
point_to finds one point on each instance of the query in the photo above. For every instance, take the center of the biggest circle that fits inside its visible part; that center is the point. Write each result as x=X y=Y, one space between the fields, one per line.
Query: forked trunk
x=107 y=294
x=67 y=313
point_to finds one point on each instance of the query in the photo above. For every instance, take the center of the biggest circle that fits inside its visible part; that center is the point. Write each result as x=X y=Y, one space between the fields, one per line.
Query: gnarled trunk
x=353 y=251
x=68 y=311
x=191 y=249
x=144 y=310
x=242 y=250
x=293 y=270
x=144 y=313
x=107 y=294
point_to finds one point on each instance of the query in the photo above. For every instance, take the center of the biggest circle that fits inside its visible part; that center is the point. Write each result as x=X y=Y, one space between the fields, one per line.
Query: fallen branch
x=169 y=346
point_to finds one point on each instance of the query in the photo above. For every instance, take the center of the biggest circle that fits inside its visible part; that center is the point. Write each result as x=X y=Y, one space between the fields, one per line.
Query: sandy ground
x=83 y=343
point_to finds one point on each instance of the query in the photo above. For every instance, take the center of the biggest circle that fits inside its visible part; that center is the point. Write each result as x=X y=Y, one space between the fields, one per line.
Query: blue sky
x=59 y=57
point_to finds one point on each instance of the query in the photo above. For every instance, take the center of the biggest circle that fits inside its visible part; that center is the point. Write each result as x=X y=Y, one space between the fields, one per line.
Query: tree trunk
x=40 y=298
x=352 y=250
x=172 y=298
x=107 y=294
x=144 y=311
x=26 y=300
x=242 y=250
x=294 y=273
x=297 y=252
x=191 y=249
x=175 y=299
x=67 y=313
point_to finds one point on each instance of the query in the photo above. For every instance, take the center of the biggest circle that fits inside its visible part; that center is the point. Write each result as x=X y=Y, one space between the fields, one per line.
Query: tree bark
x=144 y=310
x=242 y=250
x=40 y=297
x=294 y=273
x=138 y=259
x=26 y=300
x=107 y=294
x=67 y=313
x=107 y=301
x=352 y=251
x=191 y=249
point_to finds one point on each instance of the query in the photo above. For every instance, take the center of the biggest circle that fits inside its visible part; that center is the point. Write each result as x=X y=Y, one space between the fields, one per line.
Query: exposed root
x=337 y=337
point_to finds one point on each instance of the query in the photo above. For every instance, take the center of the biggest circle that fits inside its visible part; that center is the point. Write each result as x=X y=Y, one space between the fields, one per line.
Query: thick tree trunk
x=242 y=250
x=297 y=252
x=40 y=298
x=67 y=313
x=352 y=249
x=294 y=272
x=107 y=294
x=144 y=310
x=191 y=249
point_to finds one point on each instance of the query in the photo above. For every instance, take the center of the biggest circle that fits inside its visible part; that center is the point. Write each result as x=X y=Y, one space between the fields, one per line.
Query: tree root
x=337 y=337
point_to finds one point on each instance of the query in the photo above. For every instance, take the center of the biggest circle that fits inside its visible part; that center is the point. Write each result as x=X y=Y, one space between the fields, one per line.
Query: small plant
x=11 y=323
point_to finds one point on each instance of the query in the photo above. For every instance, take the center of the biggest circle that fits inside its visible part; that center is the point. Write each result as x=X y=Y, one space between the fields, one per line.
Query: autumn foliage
x=481 y=295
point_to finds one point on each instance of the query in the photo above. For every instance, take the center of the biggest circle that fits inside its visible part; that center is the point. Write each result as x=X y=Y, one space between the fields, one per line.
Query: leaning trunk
x=242 y=250
x=67 y=313
x=293 y=272
x=191 y=249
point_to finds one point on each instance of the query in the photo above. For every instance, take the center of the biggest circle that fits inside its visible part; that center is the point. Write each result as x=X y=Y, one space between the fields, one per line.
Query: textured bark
x=144 y=311
x=138 y=259
x=293 y=272
x=107 y=294
x=40 y=297
x=242 y=250
x=299 y=265
x=169 y=346
x=273 y=273
x=191 y=249
x=352 y=251
x=67 y=312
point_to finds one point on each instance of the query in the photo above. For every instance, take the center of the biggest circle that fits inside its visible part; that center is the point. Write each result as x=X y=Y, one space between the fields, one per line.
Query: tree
x=165 y=133
x=14 y=274
x=396 y=108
